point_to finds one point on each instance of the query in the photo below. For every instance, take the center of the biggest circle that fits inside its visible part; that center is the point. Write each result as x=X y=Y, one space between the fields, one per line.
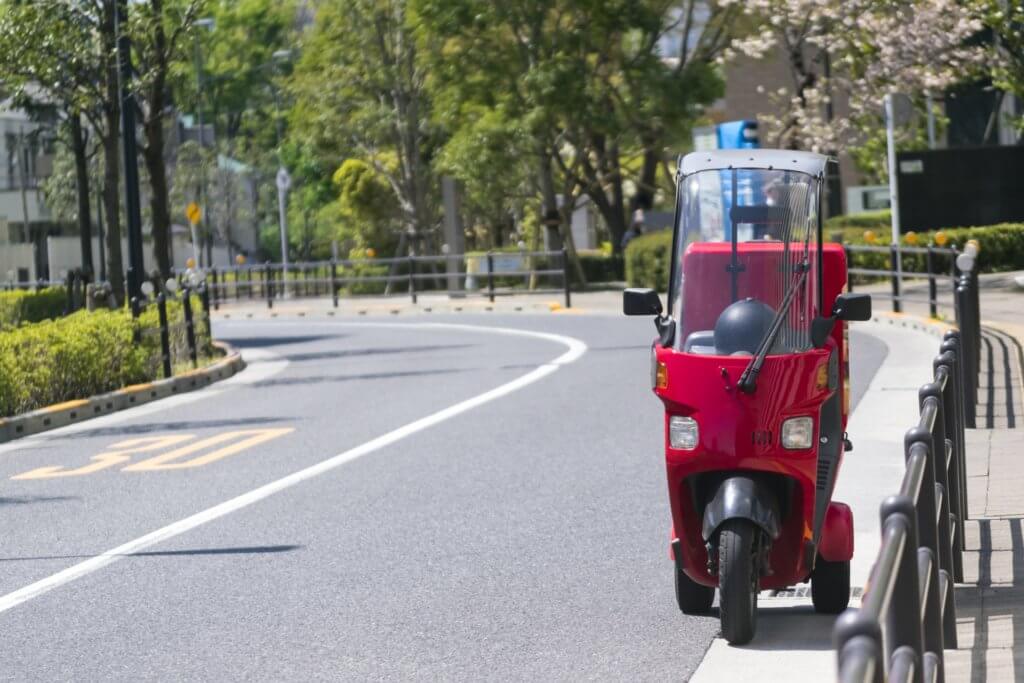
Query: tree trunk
x=82 y=187
x=153 y=152
x=552 y=213
x=159 y=202
x=111 y=149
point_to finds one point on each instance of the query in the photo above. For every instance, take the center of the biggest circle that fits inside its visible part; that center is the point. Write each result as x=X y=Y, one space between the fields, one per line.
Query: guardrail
x=897 y=273
x=409 y=276
x=908 y=612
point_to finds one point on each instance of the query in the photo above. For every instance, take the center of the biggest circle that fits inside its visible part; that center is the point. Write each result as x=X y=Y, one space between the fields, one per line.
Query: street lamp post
x=136 y=268
x=283 y=179
x=206 y=23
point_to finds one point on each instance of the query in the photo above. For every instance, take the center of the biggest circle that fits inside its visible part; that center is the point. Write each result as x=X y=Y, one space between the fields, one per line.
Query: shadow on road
x=264 y=342
x=29 y=500
x=240 y=550
x=318 y=379
x=150 y=427
x=356 y=353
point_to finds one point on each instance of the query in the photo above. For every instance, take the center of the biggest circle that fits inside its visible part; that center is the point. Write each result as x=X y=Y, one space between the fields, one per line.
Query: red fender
x=837 y=537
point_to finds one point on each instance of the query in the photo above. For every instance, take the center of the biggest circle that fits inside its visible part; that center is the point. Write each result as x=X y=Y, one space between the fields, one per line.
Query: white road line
x=576 y=349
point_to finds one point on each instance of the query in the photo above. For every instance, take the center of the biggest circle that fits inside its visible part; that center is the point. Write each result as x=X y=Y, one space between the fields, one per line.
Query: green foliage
x=26 y=306
x=364 y=270
x=649 y=260
x=600 y=267
x=869 y=220
x=73 y=357
x=85 y=354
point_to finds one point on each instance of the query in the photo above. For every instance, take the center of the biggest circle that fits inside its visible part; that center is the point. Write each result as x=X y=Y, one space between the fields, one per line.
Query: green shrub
x=73 y=357
x=648 y=260
x=27 y=306
x=869 y=220
x=85 y=354
x=360 y=270
x=600 y=267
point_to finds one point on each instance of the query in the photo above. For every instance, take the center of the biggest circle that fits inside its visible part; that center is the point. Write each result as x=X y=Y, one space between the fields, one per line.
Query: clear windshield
x=747 y=249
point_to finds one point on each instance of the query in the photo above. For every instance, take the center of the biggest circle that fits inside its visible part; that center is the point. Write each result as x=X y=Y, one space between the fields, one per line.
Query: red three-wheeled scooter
x=751 y=363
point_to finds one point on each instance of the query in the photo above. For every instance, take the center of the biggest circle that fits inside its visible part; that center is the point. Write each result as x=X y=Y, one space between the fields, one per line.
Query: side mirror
x=637 y=301
x=852 y=307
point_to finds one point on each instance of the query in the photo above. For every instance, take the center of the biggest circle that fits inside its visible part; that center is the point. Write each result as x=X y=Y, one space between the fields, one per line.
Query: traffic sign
x=193 y=212
x=284 y=181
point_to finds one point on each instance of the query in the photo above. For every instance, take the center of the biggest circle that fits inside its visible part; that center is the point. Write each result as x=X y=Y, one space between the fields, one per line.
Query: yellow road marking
x=163 y=462
x=119 y=453
x=100 y=462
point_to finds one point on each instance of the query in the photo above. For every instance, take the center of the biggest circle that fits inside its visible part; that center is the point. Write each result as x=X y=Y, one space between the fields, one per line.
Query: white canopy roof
x=773 y=159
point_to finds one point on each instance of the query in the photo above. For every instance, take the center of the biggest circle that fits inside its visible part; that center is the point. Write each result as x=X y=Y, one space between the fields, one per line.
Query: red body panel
x=741 y=432
x=837 y=538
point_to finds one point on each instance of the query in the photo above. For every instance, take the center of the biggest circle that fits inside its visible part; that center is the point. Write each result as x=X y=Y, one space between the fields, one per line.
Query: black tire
x=692 y=597
x=738 y=578
x=830 y=586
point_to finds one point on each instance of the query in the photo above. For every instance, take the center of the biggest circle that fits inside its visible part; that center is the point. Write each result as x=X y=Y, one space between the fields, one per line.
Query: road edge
x=80 y=410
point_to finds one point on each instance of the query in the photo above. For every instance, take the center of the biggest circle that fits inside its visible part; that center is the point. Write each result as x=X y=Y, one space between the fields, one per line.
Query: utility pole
x=22 y=156
x=136 y=269
x=203 y=193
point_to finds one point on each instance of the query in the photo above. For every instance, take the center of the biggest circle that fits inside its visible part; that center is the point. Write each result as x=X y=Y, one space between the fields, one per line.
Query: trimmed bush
x=600 y=267
x=363 y=286
x=27 y=306
x=73 y=357
x=648 y=260
x=85 y=354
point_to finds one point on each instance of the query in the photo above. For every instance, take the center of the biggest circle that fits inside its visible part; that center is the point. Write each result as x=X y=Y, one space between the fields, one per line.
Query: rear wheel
x=692 y=597
x=738 y=577
x=830 y=586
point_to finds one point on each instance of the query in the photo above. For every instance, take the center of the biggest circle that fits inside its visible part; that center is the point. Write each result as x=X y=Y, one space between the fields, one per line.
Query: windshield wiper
x=748 y=380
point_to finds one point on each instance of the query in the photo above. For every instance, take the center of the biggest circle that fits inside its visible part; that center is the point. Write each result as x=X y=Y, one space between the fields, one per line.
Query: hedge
x=649 y=259
x=600 y=267
x=88 y=353
x=28 y=306
x=1001 y=248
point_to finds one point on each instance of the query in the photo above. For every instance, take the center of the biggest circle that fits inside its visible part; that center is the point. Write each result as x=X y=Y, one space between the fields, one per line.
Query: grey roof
x=779 y=159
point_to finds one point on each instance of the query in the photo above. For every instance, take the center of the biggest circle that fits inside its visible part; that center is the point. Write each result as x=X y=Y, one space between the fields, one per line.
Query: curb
x=79 y=410
x=936 y=328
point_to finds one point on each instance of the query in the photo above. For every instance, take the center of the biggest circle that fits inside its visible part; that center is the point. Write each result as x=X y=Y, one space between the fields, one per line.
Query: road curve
x=508 y=518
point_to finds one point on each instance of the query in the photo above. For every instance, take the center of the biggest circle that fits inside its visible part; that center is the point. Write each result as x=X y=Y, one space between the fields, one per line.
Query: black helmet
x=742 y=326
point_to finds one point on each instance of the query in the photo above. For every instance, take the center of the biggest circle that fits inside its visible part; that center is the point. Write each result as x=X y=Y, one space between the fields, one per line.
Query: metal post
x=858 y=643
x=268 y=288
x=894 y=203
x=204 y=299
x=190 y=332
x=213 y=283
x=334 y=283
x=903 y=629
x=968 y=357
x=849 y=265
x=933 y=293
x=951 y=344
x=490 y=276
x=412 y=277
x=894 y=262
x=283 y=183
x=165 y=336
x=131 y=157
x=565 y=278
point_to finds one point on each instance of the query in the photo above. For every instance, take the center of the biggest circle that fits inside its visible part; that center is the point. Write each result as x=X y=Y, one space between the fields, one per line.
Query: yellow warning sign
x=193 y=212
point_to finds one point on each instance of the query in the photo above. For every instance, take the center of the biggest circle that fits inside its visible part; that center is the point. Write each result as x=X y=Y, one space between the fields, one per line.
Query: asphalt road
x=521 y=536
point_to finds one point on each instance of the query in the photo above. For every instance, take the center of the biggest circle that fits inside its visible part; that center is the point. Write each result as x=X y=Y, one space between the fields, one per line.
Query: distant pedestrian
x=636 y=228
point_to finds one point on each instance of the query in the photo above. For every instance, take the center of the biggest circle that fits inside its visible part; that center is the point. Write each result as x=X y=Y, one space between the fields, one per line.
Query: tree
x=52 y=54
x=160 y=29
x=854 y=52
x=1006 y=62
x=589 y=84
x=360 y=91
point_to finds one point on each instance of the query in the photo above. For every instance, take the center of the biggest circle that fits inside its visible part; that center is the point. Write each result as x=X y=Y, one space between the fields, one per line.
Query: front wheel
x=830 y=586
x=692 y=597
x=738 y=577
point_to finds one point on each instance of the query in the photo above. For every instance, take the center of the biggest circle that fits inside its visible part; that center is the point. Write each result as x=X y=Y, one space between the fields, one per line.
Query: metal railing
x=409 y=276
x=897 y=272
x=908 y=612
x=186 y=327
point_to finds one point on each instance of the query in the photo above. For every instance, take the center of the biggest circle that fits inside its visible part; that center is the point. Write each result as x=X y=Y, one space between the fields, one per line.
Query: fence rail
x=406 y=276
x=907 y=616
x=897 y=273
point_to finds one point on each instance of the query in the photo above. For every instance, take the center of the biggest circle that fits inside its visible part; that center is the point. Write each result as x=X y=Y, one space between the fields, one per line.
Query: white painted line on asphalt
x=261 y=364
x=576 y=349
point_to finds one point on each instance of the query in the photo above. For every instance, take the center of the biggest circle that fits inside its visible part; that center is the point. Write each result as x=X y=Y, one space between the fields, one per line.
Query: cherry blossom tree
x=843 y=56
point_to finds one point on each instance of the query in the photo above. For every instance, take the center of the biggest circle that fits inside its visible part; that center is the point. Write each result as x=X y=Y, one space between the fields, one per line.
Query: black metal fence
x=935 y=264
x=181 y=339
x=491 y=275
x=908 y=612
